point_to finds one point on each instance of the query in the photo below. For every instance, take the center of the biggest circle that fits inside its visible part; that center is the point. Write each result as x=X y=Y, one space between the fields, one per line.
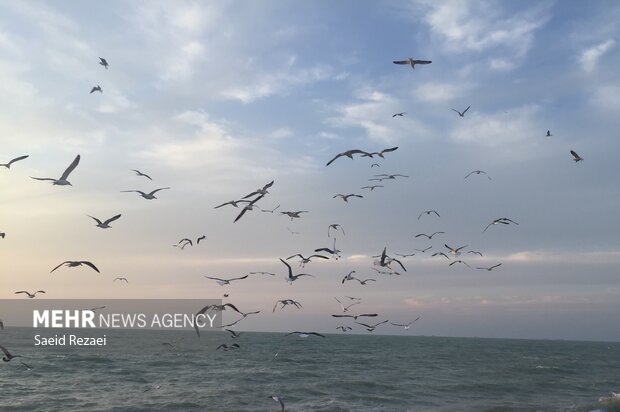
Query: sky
x=216 y=99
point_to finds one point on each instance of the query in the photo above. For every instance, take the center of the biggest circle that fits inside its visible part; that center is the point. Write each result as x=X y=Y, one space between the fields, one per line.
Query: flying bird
x=371 y=328
x=501 y=220
x=440 y=254
x=305 y=260
x=429 y=236
x=139 y=173
x=62 y=180
x=346 y=308
x=216 y=308
x=17 y=159
x=548 y=133
x=576 y=157
x=462 y=114
x=373 y=187
x=407 y=325
x=223 y=282
x=424 y=250
x=334 y=226
x=203 y=237
x=148 y=196
x=260 y=191
x=294 y=215
x=121 y=279
x=103 y=62
x=279 y=399
x=428 y=212
x=344 y=328
x=304 y=334
x=285 y=302
x=249 y=206
x=291 y=278
x=346 y=197
x=412 y=62
x=105 y=224
x=348 y=277
x=74 y=263
x=270 y=210
x=478 y=172
x=475 y=252
x=367 y=315
x=30 y=295
x=225 y=347
x=460 y=261
x=490 y=268
x=349 y=154
x=375 y=165
x=234 y=203
x=401 y=114
x=455 y=252
x=7 y=355
x=380 y=154
x=96 y=88
x=363 y=282
x=334 y=251
x=234 y=334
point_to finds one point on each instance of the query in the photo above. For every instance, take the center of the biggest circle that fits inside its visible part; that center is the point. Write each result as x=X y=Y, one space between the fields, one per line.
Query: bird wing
x=90 y=265
x=290 y=271
x=242 y=277
x=22 y=291
x=216 y=279
x=575 y=155
x=233 y=307
x=6 y=352
x=391 y=149
x=342 y=316
x=298 y=254
x=97 y=220
x=401 y=265
x=465 y=111
x=43 y=178
x=422 y=234
x=401 y=62
x=17 y=159
x=59 y=266
x=455 y=110
x=69 y=169
x=157 y=190
x=200 y=238
x=240 y=215
x=499 y=264
x=112 y=219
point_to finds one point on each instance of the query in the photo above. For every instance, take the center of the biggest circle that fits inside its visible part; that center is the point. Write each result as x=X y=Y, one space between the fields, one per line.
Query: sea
x=164 y=370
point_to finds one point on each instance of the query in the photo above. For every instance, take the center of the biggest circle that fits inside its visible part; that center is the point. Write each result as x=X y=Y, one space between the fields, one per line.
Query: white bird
x=305 y=334
x=74 y=263
x=490 y=268
x=139 y=173
x=502 y=221
x=260 y=191
x=17 y=159
x=105 y=224
x=291 y=278
x=30 y=295
x=371 y=328
x=455 y=252
x=407 y=325
x=103 y=62
x=349 y=154
x=62 y=180
x=223 y=282
x=346 y=197
x=334 y=226
x=285 y=302
x=148 y=196
x=346 y=308
x=412 y=62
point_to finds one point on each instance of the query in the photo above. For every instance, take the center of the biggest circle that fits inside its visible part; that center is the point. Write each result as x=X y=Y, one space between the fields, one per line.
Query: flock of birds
x=384 y=264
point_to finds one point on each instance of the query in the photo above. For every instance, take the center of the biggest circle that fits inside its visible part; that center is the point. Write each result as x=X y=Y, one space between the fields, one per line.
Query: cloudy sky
x=217 y=99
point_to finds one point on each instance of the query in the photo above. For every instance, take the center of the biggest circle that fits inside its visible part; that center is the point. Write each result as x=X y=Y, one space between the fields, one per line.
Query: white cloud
x=589 y=57
x=436 y=92
x=464 y=26
x=607 y=97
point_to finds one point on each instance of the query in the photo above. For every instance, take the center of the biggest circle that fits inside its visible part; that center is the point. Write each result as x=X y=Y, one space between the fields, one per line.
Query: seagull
x=261 y=191
x=548 y=133
x=576 y=157
x=30 y=295
x=225 y=347
x=344 y=328
x=291 y=278
x=106 y=224
x=405 y=254
x=412 y=62
x=304 y=334
x=334 y=226
x=187 y=242
x=477 y=172
x=346 y=308
x=285 y=302
x=96 y=88
x=62 y=180
x=380 y=154
x=17 y=159
x=234 y=334
x=278 y=398
x=139 y=173
x=460 y=261
x=148 y=196
x=455 y=252
x=216 y=308
x=375 y=165
x=349 y=154
x=7 y=355
x=334 y=252
x=74 y=263
x=363 y=282
x=262 y=273
x=428 y=212
x=121 y=279
x=462 y=114
x=440 y=254
x=305 y=260
x=383 y=177
x=423 y=250
x=373 y=187
x=270 y=210
x=346 y=197
x=203 y=237
x=401 y=114
x=371 y=328
x=249 y=206
x=223 y=282
x=232 y=203
x=385 y=260
x=294 y=215
x=501 y=220
x=475 y=252
x=490 y=268
x=408 y=325
x=429 y=236
x=368 y=315
x=103 y=62
x=348 y=277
